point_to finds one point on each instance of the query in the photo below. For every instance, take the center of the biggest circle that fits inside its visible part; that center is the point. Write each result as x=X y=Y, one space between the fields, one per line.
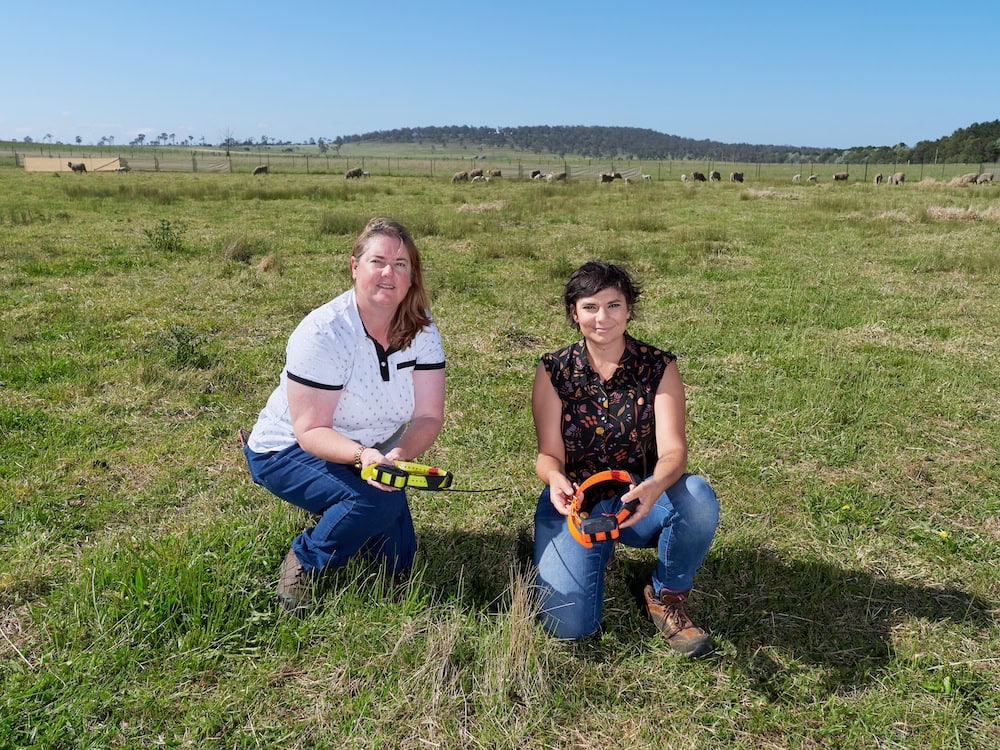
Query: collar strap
x=587 y=529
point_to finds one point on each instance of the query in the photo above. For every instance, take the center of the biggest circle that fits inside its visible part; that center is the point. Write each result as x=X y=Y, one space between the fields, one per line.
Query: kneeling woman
x=610 y=401
x=363 y=384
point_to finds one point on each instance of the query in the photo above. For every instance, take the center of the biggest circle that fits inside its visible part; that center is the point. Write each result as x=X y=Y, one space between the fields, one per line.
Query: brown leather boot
x=294 y=583
x=669 y=615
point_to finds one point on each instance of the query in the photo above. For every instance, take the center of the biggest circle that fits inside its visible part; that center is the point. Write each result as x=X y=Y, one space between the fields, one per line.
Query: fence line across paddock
x=519 y=166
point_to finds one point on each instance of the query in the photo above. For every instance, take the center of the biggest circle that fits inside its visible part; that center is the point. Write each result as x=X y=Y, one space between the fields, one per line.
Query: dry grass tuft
x=895 y=215
x=481 y=207
x=953 y=213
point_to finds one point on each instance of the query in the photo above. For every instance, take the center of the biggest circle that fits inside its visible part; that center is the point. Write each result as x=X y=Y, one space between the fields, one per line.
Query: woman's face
x=603 y=316
x=382 y=273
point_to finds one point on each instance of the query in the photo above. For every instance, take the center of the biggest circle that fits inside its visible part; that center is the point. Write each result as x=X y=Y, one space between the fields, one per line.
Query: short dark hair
x=594 y=276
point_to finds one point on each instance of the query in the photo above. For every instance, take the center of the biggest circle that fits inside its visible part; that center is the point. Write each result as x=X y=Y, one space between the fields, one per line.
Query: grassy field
x=839 y=347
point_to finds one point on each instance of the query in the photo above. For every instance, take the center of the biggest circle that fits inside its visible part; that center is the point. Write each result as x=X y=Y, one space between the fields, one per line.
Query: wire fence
x=518 y=166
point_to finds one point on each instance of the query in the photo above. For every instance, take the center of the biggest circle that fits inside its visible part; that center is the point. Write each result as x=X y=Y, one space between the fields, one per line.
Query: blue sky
x=803 y=74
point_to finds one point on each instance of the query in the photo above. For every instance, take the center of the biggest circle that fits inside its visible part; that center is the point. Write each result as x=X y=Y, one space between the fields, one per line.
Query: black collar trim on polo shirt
x=382 y=354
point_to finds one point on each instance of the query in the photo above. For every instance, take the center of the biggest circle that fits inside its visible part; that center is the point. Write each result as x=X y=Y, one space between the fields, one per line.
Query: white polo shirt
x=331 y=350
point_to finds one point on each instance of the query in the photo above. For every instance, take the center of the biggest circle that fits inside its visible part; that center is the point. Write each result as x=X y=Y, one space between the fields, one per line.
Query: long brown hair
x=412 y=315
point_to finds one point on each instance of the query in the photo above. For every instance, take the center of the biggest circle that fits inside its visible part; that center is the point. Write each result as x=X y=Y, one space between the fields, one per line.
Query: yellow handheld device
x=409 y=474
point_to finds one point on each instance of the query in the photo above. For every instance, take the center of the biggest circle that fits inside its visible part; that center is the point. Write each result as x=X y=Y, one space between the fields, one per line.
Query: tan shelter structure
x=61 y=164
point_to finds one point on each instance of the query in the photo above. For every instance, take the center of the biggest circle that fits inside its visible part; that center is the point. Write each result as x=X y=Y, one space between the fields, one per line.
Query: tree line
x=980 y=142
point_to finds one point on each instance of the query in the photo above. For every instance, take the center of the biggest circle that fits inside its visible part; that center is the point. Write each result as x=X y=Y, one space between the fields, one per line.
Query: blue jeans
x=354 y=516
x=570 y=577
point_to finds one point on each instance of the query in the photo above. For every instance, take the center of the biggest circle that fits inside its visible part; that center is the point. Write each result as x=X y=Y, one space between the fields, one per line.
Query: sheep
x=79 y=168
x=698 y=177
x=684 y=178
x=352 y=174
x=262 y=169
x=647 y=177
x=985 y=178
x=628 y=180
x=878 y=179
x=535 y=173
x=714 y=176
x=496 y=173
x=478 y=178
x=736 y=177
x=840 y=177
x=813 y=178
x=796 y=178
x=476 y=173
x=366 y=174
x=560 y=176
x=607 y=177
x=897 y=179
x=460 y=177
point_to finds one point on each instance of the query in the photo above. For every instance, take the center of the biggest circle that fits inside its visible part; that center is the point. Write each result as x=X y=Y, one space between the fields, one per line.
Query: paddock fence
x=516 y=166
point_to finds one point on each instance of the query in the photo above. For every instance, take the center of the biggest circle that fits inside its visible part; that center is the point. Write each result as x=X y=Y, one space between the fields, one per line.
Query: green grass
x=838 y=343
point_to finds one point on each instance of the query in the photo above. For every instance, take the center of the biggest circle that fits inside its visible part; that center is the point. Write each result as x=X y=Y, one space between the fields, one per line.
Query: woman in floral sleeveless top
x=610 y=401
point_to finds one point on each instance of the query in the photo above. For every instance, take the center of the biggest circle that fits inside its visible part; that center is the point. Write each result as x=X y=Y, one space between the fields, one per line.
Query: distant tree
x=28 y=139
x=48 y=138
x=79 y=140
x=322 y=144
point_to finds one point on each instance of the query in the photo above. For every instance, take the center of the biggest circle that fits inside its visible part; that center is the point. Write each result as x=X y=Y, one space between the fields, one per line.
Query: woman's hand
x=647 y=493
x=561 y=492
x=370 y=456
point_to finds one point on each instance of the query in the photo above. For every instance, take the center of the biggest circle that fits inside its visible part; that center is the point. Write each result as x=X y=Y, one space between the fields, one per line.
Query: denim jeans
x=354 y=516
x=570 y=577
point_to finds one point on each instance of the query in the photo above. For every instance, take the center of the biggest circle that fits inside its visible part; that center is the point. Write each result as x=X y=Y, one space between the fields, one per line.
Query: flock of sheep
x=479 y=175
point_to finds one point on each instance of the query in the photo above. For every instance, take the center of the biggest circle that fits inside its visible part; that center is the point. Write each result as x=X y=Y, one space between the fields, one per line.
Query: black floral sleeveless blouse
x=608 y=425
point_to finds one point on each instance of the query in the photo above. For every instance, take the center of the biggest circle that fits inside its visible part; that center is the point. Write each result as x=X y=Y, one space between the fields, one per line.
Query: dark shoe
x=294 y=583
x=669 y=615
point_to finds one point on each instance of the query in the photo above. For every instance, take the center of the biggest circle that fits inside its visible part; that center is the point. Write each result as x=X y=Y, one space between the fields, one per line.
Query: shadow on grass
x=774 y=619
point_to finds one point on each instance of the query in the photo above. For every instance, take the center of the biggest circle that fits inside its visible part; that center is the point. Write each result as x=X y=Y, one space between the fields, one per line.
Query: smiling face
x=602 y=317
x=382 y=272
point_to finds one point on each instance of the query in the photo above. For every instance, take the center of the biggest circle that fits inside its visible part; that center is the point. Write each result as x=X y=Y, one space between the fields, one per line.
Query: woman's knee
x=700 y=505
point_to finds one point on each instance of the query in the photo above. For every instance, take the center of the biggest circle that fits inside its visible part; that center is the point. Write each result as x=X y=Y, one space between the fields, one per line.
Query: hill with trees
x=980 y=142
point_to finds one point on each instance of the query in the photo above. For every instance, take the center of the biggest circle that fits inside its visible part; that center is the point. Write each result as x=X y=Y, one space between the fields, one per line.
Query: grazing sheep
x=353 y=173
x=560 y=176
x=478 y=178
x=684 y=178
x=840 y=177
x=698 y=177
x=878 y=179
x=476 y=173
x=366 y=174
x=813 y=178
x=496 y=173
x=123 y=168
x=262 y=169
x=535 y=173
x=968 y=178
x=736 y=177
x=897 y=179
x=647 y=177
x=460 y=177
x=607 y=177
x=714 y=176
x=628 y=180
x=797 y=178
x=985 y=178
x=80 y=168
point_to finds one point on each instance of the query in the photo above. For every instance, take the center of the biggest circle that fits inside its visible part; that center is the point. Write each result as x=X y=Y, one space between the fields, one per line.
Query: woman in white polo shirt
x=363 y=384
